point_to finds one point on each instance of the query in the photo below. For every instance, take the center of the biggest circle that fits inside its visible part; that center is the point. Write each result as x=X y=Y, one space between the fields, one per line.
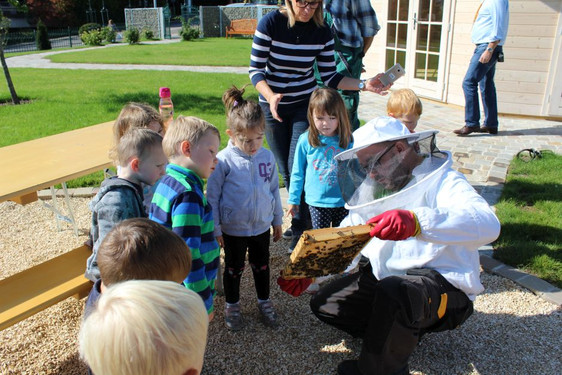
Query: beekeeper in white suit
x=423 y=272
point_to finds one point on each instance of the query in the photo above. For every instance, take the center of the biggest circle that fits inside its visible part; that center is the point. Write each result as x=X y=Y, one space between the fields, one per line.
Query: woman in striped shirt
x=287 y=44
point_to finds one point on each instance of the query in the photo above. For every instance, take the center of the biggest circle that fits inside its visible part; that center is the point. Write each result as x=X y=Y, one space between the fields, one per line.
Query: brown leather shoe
x=466 y=130
x=485 y=129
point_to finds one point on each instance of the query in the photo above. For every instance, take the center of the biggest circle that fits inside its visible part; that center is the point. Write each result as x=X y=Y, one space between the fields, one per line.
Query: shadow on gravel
x=494 y=344
x=71 y=366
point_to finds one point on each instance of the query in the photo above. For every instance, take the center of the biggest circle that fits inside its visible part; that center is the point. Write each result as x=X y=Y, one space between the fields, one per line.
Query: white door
x=418 y=38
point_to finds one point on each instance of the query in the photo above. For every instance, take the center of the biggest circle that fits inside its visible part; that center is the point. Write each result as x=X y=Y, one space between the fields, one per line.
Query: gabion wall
x=210 y=22
x=145 y=18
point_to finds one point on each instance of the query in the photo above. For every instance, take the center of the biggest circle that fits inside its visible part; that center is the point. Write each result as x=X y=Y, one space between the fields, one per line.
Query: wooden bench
x=44 y=285
x=63 y=157
x=243 y=26
x=42 y=163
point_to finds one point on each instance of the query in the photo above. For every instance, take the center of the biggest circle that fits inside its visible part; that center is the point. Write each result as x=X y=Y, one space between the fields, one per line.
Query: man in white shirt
x=488 y=33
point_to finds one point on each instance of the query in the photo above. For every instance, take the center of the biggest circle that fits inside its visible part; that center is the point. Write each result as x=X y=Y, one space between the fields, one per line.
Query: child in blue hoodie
x=244 y=194
x=314 y=168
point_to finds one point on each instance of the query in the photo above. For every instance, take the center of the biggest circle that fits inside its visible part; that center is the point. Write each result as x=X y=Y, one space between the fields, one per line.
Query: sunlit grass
x=63 y=100
x=530 y=211
x=208 y=51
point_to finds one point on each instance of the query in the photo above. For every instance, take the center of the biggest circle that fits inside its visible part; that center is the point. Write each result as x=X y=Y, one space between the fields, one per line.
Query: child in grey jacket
x=141 y=159
x=244 y=194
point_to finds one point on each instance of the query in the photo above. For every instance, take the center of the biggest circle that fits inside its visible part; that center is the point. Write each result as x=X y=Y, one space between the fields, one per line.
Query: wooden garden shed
x=431 y=39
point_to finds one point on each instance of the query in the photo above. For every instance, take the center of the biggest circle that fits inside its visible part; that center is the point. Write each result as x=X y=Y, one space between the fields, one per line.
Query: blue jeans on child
x=282 y=138
x=482 y=75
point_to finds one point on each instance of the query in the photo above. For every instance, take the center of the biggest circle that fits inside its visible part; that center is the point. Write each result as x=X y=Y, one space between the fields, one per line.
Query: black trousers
x=391 y=314
x=235 y=258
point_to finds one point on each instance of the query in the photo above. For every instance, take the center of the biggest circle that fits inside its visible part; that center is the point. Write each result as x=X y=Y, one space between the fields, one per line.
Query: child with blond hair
x=145 y=327
x=137 y=115
x=179 y=202
x=140 y=159
x=244 y=193
x=405 y=106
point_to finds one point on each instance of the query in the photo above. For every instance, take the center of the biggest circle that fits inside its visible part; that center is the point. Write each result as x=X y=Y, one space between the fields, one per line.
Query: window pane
x=423 y=10
x=400 y=58
x=422 y=37
x=403 y=10
x=392 y=10
x=437 y=11
x=420 y=66
x=435 y=38
x=402 y=35
x=391 y=35
x=389 y=59
x=432 y=67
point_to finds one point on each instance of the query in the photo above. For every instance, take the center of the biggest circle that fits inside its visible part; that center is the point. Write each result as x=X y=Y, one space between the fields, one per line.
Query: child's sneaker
x=269 y=317
x=293 y=244
x=288 y=234
x=233 y=316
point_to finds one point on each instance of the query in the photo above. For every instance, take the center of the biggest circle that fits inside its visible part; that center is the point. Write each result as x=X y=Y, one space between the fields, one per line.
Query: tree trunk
x=13 y=94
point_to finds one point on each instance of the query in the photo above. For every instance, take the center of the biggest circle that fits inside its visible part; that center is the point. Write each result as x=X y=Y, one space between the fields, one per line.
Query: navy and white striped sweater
x=285 y=57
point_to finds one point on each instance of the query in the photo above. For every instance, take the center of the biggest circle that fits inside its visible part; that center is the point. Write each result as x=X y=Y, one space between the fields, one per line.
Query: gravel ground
x=511 y=332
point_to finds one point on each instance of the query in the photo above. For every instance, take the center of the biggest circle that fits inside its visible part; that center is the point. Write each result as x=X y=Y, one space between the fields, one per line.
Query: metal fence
x=24 y=41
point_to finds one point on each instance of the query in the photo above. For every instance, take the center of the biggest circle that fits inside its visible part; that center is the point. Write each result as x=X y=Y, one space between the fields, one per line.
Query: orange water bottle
x=166 y=106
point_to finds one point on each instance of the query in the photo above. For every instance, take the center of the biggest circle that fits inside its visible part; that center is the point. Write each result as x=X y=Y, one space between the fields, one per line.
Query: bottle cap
x=165 y=92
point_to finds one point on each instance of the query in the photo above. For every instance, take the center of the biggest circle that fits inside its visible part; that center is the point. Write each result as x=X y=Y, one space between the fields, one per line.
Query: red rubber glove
x=395 y=225
x=294 y=287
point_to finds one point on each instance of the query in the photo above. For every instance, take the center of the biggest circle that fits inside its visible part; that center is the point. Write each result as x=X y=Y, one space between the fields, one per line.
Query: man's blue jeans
x=482 y=75
x=282 y=138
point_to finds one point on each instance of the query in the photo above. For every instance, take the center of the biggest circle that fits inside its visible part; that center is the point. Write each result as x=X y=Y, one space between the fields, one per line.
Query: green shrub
x=92 y=38
x=108 y=34
x=189 y=32
x=147 y=34
x=88 y=27
x=42 y=37
x=132 y=35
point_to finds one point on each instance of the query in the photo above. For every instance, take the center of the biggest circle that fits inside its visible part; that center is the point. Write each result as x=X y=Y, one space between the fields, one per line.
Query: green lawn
x=208 y=51
x=62 y=100
x=530 y=210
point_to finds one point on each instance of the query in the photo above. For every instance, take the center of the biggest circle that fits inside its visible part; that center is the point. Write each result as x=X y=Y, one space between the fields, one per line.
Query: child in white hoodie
x=244 y=194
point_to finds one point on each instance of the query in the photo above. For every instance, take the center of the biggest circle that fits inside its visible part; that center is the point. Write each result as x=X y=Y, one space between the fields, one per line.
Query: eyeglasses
x=373 y=163
x=311 y=4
